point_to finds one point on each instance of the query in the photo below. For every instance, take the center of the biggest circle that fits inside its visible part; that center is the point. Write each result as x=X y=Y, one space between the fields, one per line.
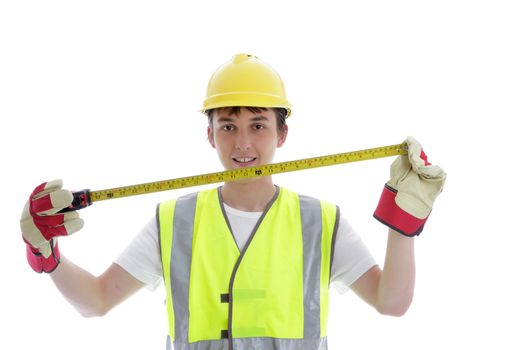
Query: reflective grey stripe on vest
x=181 y=261
x=184 y=217
x=253 y=343
x=312 y=226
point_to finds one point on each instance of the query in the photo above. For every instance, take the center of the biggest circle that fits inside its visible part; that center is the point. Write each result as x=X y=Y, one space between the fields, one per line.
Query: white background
x=106 y=93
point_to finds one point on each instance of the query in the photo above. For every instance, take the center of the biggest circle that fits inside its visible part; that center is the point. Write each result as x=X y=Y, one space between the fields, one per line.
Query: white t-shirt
x=351 y=257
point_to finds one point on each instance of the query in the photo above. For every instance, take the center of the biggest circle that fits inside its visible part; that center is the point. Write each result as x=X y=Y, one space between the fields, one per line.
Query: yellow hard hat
x=246 y=81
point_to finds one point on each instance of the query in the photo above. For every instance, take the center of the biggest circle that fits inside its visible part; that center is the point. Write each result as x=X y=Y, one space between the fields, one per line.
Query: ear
x=210 y=137
x=282 y=136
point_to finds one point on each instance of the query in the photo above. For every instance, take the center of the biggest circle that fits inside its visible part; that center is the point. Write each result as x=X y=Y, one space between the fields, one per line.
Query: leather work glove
x=407 y=199
x=41 y=223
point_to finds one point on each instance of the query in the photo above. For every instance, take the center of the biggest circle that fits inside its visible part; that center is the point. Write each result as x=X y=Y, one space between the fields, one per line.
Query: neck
x=249 y=195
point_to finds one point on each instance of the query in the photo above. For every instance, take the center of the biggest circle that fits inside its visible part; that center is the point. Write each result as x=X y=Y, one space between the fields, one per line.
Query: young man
x=246 y=265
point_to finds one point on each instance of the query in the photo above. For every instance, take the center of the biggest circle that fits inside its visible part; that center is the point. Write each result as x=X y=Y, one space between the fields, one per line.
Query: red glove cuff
x=40 y=264
x=396 y=218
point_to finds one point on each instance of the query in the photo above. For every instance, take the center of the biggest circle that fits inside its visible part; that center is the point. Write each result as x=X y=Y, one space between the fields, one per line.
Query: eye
x=258 y=126
x=228 y=127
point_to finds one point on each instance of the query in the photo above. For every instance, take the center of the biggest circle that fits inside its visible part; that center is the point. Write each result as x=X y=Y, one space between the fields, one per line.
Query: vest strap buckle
x=225 y=298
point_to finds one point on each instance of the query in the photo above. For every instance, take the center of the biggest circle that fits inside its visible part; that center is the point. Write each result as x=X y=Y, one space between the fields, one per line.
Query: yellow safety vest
x=273 y=294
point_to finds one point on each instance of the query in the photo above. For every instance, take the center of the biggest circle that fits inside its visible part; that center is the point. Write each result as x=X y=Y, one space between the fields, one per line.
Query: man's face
x=246 y=139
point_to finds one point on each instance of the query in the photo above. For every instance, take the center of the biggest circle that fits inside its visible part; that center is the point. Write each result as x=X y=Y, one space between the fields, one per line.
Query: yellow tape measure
x=84 y=198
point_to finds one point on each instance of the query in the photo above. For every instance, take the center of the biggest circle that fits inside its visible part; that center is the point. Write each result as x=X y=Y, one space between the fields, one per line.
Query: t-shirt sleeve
x=351 y=257
x=141 y=258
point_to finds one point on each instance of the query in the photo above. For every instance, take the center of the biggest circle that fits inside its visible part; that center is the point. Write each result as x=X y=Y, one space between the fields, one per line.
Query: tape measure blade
x=244 y=173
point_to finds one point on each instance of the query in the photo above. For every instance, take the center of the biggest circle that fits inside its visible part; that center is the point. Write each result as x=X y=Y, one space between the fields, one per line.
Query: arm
x=404 y=206
x=42 y=221
x=90 y=295
x=390 y=290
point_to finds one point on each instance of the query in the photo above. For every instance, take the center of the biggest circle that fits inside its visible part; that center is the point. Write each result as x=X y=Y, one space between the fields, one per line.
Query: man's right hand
x=41 y=223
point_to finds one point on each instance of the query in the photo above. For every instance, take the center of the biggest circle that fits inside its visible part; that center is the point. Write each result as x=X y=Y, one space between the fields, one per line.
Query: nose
x=243 y=141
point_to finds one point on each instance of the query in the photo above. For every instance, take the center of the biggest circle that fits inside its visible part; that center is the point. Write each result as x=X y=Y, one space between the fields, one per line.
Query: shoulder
x=185 y=198
x=312 y=207
x=306 y=200
x=304 y=197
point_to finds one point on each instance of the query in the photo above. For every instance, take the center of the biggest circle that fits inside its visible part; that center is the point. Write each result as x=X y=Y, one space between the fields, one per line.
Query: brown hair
x=280 y=114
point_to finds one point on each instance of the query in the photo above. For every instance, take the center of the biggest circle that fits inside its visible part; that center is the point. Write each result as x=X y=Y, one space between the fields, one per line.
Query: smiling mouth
x=244 y=160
